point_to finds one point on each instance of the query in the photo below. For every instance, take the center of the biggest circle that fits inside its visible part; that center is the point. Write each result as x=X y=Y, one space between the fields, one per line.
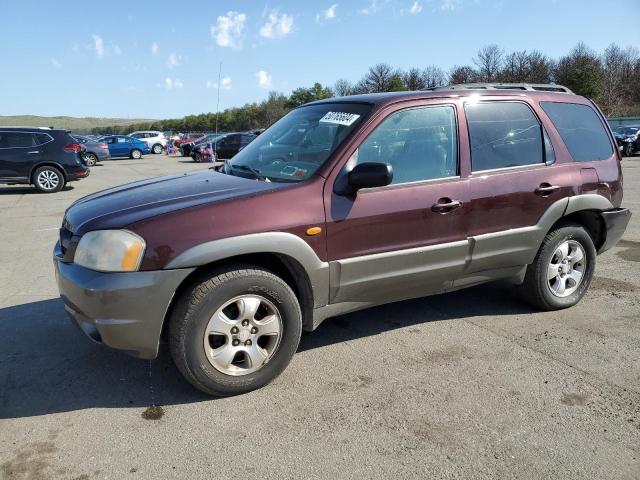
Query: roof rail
x=541 y=87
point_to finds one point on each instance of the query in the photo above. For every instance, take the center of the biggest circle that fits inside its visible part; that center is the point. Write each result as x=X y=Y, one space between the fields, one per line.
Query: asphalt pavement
x=471 y=384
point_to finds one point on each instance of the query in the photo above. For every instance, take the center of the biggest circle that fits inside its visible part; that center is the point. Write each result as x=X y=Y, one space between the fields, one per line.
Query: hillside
x=72 y=123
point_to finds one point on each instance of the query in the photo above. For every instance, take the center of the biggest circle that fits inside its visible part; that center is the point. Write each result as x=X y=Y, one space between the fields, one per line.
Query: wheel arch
x=284 y=254
x=47 y=163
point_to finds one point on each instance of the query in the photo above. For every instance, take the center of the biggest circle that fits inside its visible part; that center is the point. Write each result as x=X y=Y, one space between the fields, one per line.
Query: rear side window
x=502 y=135
x=580 y=129
x=42 y=138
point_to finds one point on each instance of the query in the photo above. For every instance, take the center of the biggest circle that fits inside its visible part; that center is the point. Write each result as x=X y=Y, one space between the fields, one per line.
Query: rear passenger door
x=513 y=181
x=18 y=152
x=409 y=238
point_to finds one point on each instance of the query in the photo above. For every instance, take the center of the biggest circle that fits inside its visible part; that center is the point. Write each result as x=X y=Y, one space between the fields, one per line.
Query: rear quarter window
x=581 y=130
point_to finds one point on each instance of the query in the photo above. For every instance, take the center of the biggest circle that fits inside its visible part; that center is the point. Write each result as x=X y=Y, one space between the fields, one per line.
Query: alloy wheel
x=48 y=179
x=566 y=268
x=242 y=335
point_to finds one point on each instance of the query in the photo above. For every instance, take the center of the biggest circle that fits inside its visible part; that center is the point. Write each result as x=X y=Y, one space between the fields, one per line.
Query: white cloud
x=174 y=60
x=228 y=29
x=372 y=8
x=448 y=5
x=328 y=14
x=277 y=26
x=415 y=8
x=55 y=62
x=155 y=49
x=225 y=83
x=98 y=45
x=170 y=83
x=264 y=79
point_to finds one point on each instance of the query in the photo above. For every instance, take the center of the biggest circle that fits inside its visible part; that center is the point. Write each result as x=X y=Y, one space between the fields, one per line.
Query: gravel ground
x=472 y=384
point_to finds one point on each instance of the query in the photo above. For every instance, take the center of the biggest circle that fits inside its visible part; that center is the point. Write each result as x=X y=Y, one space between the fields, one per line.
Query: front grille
x=65 y=239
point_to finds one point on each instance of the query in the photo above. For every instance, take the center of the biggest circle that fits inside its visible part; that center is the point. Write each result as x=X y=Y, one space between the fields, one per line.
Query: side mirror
x=365 y=175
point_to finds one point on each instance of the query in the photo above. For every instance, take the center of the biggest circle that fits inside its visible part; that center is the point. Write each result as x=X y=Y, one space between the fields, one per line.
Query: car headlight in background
x=110 y=251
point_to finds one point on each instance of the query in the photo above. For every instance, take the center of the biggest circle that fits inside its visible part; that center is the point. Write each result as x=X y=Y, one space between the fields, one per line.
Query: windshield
x=627 y=130
x=296 y=146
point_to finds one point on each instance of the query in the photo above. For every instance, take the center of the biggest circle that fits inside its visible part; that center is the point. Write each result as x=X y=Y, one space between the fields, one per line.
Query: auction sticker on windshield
x=340 y=118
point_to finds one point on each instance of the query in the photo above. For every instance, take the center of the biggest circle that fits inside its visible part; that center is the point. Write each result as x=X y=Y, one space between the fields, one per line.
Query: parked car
x=125 y=146
x=225 y=146
x=43 y=157
x=155 y=140
x=187 y=138
x=186 y=148
x=343 y=204
x=95 y=151
x=628 y=137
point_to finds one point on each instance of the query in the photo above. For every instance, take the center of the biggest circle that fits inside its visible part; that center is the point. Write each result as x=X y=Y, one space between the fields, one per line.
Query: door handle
x=445 y=205
x=35 y=151
x=546 y=189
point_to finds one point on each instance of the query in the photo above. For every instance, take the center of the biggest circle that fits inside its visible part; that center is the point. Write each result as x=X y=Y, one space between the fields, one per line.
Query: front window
x=296 y=146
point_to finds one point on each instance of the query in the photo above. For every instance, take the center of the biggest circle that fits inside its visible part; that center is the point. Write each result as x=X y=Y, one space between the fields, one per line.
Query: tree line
x=610 y=78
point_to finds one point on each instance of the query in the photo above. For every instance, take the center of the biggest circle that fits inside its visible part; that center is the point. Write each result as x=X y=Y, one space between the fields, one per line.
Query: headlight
x=110 y=251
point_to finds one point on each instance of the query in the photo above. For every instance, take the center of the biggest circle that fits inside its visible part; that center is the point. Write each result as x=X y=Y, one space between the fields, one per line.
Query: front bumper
x=615 y=222
x=125 y=311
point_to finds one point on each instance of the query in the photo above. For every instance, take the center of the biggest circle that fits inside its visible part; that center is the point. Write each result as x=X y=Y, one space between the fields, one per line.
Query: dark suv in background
x=43 y=157
x=344 y=204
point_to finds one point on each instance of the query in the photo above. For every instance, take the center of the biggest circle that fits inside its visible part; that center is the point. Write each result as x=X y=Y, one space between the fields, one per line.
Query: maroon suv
x=343 y=204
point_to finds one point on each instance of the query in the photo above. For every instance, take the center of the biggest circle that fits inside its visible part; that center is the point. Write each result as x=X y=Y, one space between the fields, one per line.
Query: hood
x=121 y=206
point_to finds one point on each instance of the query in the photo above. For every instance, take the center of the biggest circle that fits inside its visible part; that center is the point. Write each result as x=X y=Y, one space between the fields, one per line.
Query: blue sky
x=160 y=59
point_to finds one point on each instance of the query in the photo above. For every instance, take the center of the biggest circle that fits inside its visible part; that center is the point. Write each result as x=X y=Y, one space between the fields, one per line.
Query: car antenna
x=215 y=148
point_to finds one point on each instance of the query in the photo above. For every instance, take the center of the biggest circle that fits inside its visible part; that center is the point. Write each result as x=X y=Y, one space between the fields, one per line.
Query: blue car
x=125 y=146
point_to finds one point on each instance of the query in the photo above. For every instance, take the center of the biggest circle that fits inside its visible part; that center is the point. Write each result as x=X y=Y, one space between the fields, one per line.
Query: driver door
x=407 y=239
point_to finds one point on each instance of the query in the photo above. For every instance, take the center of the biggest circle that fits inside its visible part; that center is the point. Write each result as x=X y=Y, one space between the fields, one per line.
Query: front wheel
x=48 y=179
x=136 y=154
x=235 y=330
x=562 y=270
x=157 y=149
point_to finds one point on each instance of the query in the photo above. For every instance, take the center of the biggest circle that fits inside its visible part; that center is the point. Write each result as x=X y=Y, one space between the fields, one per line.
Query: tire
x=135 y=154
x=157 y=149
x=48 y=179
x=543 y=290
x=208 y=361
x=629 y=149
x=90 y=159
x=196 y=157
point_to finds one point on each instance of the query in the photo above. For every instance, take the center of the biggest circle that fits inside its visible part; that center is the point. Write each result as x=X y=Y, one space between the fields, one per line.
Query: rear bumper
x=76 y=172
x=615 y=222
x=125 y=311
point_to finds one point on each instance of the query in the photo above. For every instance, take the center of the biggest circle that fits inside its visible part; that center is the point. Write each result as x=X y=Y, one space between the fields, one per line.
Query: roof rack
x=540 y=87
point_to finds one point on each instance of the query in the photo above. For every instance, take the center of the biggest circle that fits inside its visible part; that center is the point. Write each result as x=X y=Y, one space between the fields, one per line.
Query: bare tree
x=434 y=76
x=464 y=74
x=414 y=79
x=526 y=67
x=489 y=62
x=378 y=78
x=617 y=78
x=343 y=87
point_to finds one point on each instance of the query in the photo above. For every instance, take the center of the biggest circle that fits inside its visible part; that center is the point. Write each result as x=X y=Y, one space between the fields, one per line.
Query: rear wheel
x=157 y=149
x=136 y=154
x=235 y=331
x=48 y=179
x=562 y=270
x=90 y=159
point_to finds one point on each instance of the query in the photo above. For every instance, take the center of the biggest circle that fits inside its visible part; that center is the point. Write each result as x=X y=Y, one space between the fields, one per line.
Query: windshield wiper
x=246 y=168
